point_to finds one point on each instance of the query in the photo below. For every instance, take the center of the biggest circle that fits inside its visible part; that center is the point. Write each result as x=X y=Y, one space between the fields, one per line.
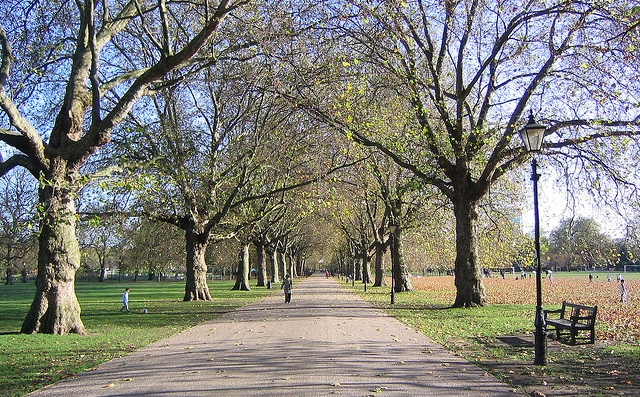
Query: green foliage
x=32 y=361
x=579 y=243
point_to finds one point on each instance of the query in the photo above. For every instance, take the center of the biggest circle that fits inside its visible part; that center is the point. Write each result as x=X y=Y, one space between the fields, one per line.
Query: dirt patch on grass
x=581 y=370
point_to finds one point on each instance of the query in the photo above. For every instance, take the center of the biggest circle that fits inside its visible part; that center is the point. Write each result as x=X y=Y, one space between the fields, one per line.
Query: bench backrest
x=570 y=311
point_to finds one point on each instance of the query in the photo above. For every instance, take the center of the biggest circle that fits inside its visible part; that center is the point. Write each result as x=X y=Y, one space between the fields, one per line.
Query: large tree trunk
x=103 y=267
x=275 y=269
x=470 y=289
x=242 y=276
x=283 y=263
x=402 y=281
x=261 y=274
x=292 y=266
x=55 y=308
x=103 y=273
x=196 y=287
x=379 y=260
x=9 y=275
x=301 y=265
x=366 y=270
x=8 y=259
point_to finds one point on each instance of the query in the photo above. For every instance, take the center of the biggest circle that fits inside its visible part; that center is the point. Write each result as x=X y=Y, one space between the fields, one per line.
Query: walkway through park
x=326 y=342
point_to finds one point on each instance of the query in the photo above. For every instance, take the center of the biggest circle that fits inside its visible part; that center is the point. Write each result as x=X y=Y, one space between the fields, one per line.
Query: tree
x=151 y=247
x=18 y=219
x=442 y=88
x=243 y=269
x=102 y=238
x=579 y=244
x=217 y=159
x=86 y=64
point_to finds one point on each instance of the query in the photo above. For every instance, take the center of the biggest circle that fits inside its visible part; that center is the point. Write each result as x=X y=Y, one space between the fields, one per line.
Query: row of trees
x=139 y=247
x=234 y=119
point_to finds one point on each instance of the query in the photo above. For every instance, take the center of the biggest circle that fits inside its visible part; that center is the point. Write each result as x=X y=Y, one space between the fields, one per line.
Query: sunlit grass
x=29 y=362
x=476 y=333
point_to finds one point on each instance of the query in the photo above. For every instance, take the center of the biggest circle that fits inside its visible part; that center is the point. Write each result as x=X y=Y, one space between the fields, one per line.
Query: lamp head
x=532 y=134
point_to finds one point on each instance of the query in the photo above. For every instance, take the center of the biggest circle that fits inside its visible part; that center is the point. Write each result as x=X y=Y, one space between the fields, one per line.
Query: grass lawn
x=499 y=336
x=29 y=362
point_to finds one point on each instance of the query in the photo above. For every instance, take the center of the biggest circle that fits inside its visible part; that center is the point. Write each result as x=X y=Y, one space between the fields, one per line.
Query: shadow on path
x=327 y=342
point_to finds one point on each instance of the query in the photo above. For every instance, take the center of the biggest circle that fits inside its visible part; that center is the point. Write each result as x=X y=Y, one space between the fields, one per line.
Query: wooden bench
x=574 y=318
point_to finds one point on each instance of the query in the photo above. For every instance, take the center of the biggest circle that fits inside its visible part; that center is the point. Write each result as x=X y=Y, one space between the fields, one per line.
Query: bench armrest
x=545 y=312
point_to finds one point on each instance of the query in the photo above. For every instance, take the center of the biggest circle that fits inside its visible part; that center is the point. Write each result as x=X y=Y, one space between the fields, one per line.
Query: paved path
x=327 y=342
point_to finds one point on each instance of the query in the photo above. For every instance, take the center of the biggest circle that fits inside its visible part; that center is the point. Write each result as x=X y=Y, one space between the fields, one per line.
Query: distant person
x=125 y=300
x=590 y=277
x=287 y=285
x=623 y=291
x=608 y=277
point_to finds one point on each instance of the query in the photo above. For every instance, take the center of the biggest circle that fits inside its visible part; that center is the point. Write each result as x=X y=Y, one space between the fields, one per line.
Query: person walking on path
x=125 y=300
x=287 y=285
x=623 y=291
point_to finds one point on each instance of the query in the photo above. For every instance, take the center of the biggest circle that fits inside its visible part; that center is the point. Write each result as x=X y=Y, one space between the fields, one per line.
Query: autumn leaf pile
x=615 y=320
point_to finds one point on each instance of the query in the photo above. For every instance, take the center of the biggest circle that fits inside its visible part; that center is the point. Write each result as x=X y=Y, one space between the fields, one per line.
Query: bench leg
x=574 y=333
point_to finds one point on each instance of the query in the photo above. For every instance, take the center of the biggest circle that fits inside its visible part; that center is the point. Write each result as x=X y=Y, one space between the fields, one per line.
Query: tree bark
x=283 y=263
x=275 y=274
x=470 y=289
x=402 y=281
x=196 y=287
x=292 y=266
x=103 y=273
x=9 y=275
x=357 y=267
x=261 y=274
x=301 y=265
x=102 y=258
x=379 y=261
x=55 y=308
x=366 y=270
x=242 y=275
x=8 y=259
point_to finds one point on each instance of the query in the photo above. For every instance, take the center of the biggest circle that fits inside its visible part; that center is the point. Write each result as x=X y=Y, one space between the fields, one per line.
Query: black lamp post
x=392 y=229
x=365 y=273
x=532 y=135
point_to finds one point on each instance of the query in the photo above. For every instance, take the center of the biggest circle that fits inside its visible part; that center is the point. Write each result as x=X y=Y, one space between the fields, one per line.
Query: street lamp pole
x=392 y=229
x=541 y=332
x=365 y=273
x=532 y=135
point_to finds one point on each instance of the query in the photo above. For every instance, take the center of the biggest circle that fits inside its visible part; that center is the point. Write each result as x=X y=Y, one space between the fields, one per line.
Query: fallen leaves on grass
x=615 y=320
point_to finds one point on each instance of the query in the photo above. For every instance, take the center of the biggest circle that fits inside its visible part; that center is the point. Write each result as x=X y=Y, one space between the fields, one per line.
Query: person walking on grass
x=623 y=291
x=125 y=300
x=287 y=286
